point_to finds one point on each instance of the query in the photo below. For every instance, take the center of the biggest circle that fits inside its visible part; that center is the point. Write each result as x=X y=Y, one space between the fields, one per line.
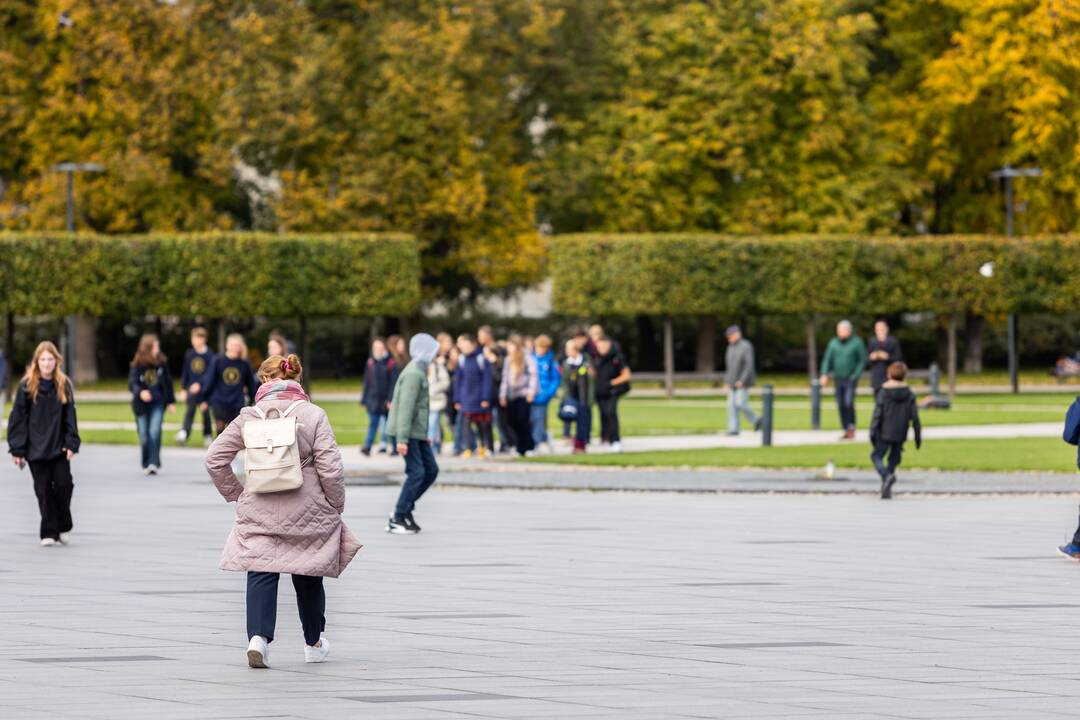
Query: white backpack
x=271 y=455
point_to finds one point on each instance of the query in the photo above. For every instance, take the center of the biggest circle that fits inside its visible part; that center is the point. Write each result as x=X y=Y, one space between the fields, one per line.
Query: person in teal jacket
x=407 y=424
x=845 y=358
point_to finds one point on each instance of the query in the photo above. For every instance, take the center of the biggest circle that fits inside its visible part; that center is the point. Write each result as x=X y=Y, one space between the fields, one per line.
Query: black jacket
x=608 y=367
x=155 y=379
x=895 y=409
x=380 y=375
x=879 y=369
x=42 y=429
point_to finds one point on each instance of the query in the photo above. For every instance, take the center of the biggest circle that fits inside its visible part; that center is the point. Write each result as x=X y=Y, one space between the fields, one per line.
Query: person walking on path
x=517 y=391
x=739 y=377
x=895 y=409
x=578 y=394
x=845 y=358
x=882 y=351
x=438 y=399
x=1071 y=435
x=44 y=432
x=297 y=531
x=408 y=424
x=380 y=372
x=231 y=378
x=198 y=363
x=549 y=379
x=151 y=395
x=612 y=382
x=472 y=396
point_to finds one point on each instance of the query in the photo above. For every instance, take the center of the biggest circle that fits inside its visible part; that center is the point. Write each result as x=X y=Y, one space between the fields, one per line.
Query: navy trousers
x=262 y=590
x=420 y=472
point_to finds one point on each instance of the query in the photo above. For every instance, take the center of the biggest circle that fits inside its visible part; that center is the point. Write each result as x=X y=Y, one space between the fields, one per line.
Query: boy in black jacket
x=198 y=364
x=894 y=410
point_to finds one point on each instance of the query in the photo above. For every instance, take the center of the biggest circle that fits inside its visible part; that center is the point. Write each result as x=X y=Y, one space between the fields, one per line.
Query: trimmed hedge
x=210 y=274
x=661 y=274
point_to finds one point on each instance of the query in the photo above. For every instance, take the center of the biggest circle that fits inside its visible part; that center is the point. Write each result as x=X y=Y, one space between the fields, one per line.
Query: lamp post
x=69 y=169
x=1006 y=174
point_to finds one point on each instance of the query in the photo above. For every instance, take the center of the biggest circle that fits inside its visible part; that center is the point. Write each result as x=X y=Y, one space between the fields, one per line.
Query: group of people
x=494 y=395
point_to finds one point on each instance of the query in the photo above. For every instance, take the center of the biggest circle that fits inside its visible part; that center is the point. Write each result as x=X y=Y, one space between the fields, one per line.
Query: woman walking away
x=151 y=393
x=297 y=531
x=612 y=381
x=380 y=372
x=578 y=395
x=439 y=399
x=232 y=376
x=516 y=393
x=43 y=431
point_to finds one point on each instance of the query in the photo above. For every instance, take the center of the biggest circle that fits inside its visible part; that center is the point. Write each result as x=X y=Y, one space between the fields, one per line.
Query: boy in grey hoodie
x=894 y=410
x=408 y=424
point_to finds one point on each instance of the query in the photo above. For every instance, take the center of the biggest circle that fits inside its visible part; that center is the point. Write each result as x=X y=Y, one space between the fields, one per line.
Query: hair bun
x=294 y=367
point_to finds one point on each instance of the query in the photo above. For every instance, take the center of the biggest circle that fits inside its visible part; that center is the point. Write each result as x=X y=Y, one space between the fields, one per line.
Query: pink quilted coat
x=300 y=531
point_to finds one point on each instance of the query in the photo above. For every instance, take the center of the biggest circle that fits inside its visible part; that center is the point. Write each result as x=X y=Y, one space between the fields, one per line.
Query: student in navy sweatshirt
x=473 y=395
x=380 y=375
x=231 y=377
x=198 y=362
x=151 y=393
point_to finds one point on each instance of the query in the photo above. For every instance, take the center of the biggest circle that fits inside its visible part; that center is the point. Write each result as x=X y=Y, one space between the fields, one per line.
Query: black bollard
x=815 y=404
x=766 y=415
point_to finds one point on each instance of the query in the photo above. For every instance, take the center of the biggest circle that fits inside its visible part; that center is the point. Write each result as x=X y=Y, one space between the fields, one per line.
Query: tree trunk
x=305 y=355
x=811 y=347
x=706 y=348
x=951 y=355
x=85 y=350
x=669 y=358
x=221 y=337
x=648 y=357
x=9 y=350
x=973 y=343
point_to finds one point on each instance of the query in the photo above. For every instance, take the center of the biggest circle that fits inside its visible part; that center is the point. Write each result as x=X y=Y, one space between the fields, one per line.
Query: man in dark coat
x=881 y=352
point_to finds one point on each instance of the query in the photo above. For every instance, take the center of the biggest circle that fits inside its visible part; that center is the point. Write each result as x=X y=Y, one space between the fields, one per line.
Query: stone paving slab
x=549 y=605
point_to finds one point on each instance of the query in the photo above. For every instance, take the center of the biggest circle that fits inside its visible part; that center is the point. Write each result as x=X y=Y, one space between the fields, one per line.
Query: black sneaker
x=411 y=522
x=365 y=451
x=758 y=423
x=382 y=451
x=399 y=526
x=886 y=486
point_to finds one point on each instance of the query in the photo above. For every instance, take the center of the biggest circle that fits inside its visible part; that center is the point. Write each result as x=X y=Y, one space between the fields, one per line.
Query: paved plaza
x=550 y=604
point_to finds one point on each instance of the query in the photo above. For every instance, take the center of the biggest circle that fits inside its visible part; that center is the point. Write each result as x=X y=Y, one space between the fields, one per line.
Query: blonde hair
x=237 y=337
x=32 y=378
x=542 y=343
x=276 y=367
x=515 y=358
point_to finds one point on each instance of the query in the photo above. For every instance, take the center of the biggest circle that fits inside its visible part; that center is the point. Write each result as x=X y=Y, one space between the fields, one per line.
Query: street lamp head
x=78 y=167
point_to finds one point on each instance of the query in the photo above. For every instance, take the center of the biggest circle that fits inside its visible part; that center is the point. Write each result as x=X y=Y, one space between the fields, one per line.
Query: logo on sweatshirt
x=149 y=376
x=198 y=365
x=231 y=375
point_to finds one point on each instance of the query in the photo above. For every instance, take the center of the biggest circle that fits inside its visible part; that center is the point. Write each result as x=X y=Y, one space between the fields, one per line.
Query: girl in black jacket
x=151 y=393
x=43 y=432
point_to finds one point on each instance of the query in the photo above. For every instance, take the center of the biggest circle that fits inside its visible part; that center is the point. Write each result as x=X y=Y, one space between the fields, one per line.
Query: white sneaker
x=64 y=538
x=550 y=448
x=146 y=471
x=258 y=652
x=616 y=447
x=530 y=453
x=152 y=470
x=317 y=654
x=207 y=440
x=182 y=436
x=47 y=542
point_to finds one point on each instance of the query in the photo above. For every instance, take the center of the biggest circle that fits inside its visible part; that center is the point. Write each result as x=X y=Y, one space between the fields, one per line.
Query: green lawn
x=1031 y=454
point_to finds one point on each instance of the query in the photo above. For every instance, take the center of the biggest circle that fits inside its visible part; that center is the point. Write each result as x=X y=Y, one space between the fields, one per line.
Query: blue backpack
x=1071 y=433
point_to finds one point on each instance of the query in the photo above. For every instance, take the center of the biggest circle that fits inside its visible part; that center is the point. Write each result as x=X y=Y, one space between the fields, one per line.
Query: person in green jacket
x=407 y=424
x=845 y=358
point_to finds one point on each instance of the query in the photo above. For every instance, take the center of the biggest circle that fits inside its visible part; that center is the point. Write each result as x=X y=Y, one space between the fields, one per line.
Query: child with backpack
x=473 y=395
x=44 y=432
x=408 y=425
x=198 y=362
x=578 y=395
x=151 y=395
x=895 y=409
x=232 y=377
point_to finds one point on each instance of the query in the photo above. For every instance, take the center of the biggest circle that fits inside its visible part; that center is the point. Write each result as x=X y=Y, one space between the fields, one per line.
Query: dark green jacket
x=845 y=359
x=409 y=408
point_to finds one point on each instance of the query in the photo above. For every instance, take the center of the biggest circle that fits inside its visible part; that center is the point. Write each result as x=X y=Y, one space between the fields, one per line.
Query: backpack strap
x=259 y=411
x=290 y=408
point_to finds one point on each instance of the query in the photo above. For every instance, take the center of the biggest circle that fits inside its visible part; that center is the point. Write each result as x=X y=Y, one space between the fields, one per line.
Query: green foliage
x=210 y=274
x=714 y=274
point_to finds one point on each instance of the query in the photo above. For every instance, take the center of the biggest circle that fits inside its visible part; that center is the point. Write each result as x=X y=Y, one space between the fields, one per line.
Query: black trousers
x=609 y=418
x=262 y=590
x=895 y=452
x=420 y=473
x=189 y=417
x=517 y=411
x=507 y=436
x=53 y=487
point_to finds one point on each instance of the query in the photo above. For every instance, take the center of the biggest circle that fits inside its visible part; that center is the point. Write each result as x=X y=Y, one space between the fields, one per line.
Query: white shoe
x=207 y=440
x=317 y=654
x=616 y=447
x=151 y=470
x=258 y=652
x=550 y=448
x=530 y=453
x=65 y=538
x=47 y=542
x=181 y=437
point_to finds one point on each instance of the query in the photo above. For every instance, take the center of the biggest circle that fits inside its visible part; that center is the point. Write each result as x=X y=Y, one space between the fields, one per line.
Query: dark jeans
x=895 y=452
x=845 y=401
x=262 y=605
x=609 y=418
x=420 y=472
x=149 y=427
x=517 y=412
x=53 y=487
x=483 y=429
x=584 y=427
x=189 y=417
x=501 y=419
